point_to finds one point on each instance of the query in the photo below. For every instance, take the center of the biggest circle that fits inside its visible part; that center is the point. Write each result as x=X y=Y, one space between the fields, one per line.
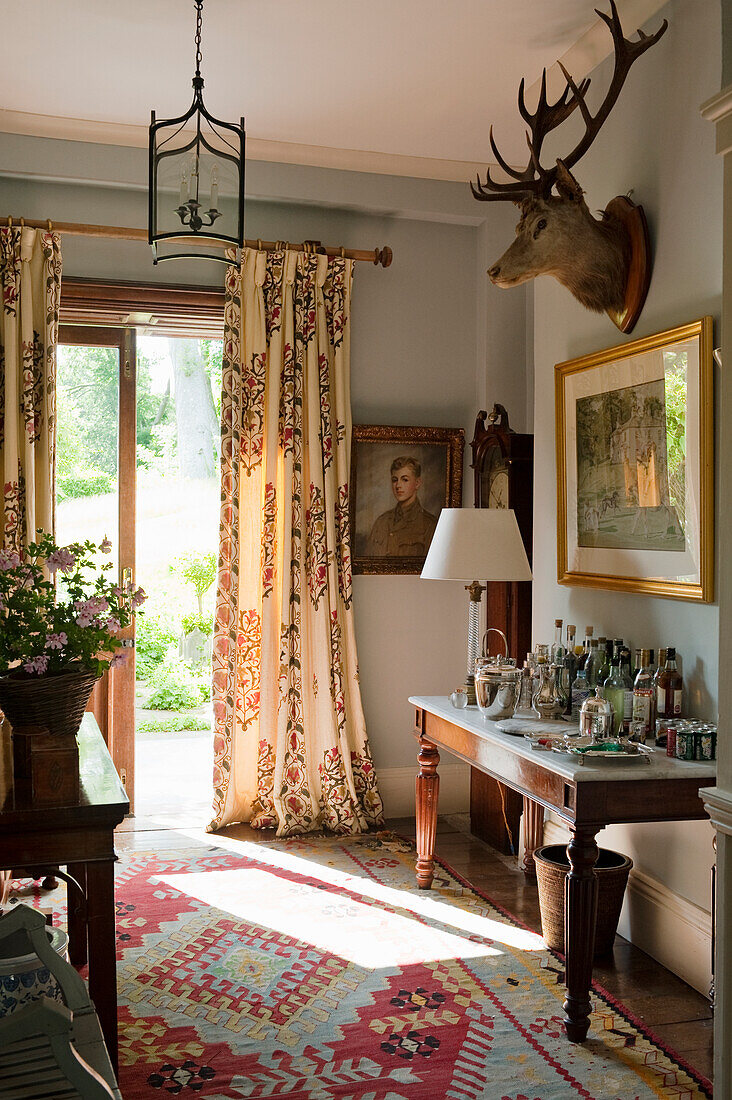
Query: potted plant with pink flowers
x=61 y=617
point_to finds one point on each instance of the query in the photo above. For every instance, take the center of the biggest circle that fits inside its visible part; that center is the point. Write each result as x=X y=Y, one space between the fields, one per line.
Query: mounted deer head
x=604 y=262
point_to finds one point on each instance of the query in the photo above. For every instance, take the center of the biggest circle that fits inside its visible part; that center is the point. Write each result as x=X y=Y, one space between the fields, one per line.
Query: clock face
x=498 y=490
x=495 y=479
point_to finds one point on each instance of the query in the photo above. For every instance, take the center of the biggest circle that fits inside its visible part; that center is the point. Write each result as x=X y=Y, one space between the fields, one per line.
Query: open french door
x=96 y=492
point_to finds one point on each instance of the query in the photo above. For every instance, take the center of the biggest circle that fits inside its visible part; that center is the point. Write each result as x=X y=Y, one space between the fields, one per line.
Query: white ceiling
x=381 y=78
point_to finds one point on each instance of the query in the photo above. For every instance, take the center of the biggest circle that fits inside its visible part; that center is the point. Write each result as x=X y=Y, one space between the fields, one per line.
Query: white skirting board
x=397 y=789
x=674 y=931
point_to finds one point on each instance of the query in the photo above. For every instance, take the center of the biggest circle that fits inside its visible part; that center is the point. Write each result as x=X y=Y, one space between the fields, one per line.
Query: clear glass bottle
x=659 y=667
x=557 y=651
x=589 y=634
x=570 y=669
x=614 y=691
x=580 y=692
x=637 y=664
x=643 y=724
x=669 y=688
x=607 y=656
x=597 y=658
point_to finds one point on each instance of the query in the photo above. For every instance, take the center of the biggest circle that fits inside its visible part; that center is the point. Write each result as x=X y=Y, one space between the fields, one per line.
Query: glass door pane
x=178 y=502
x=87 y=411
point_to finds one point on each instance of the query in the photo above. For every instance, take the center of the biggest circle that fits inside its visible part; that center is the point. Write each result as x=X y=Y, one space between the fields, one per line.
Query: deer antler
x=535 y=180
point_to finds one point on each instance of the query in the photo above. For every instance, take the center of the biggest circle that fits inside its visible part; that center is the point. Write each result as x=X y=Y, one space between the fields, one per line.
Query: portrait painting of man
x=407 y=529
x=400 y=481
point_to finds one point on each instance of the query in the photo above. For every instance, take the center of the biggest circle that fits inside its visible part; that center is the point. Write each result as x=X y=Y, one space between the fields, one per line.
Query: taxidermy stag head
x=604 y=262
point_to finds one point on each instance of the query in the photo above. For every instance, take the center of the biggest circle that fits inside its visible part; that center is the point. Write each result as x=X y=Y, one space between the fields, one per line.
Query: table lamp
x=482 y=543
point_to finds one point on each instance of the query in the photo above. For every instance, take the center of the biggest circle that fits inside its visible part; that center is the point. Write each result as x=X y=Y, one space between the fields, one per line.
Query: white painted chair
x=49 y=1050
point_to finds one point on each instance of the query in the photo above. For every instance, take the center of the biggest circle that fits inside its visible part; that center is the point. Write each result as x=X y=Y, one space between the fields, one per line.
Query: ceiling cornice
x=277 y=152
x=595 y=45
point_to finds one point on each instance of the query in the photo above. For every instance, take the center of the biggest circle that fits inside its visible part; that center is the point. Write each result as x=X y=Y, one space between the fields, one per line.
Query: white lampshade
x=477 y=544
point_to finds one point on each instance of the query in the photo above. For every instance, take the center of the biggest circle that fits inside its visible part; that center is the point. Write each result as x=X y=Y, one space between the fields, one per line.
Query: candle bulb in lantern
x=194 y=179
x=214 y=188
x=183 y=187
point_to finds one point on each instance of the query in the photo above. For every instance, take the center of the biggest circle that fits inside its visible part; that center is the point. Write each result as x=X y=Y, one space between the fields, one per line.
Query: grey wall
x=427 y=348
x=656 y=143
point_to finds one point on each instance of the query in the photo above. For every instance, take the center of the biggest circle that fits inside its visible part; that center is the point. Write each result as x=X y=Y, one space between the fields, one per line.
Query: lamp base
x=469 y=688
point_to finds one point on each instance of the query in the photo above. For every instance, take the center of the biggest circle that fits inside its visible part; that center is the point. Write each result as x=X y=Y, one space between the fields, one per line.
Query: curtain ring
x=279 y=246
x=50 y=226
x=10 y=222
x=343 y=253
x=22 y=223
x=259 y=244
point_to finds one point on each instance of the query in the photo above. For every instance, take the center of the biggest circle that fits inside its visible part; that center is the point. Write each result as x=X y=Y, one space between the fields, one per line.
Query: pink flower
x=111 y=625
x=117 y=591
x=86 y=612
x=9 y=560
x=37 y=664
x=56 y=641
x=61 y=559
x=117 y=660
x=138 y=597
x=105 y=545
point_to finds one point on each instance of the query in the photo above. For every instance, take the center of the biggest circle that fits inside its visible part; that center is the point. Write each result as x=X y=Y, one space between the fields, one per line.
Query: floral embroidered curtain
x=291 y=750
x=30 y=284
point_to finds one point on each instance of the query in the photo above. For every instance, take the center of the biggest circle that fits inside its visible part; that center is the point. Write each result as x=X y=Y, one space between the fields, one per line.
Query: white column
x=718 y=800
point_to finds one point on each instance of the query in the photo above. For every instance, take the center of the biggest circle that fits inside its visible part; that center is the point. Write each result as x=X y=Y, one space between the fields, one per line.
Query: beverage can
x=685 y=748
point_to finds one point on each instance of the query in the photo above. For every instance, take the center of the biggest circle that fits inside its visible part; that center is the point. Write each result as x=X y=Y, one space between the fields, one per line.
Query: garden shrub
x=83 y=483
x=174 y=687
x=190 y=622
x=177 y=723
x=155 y=637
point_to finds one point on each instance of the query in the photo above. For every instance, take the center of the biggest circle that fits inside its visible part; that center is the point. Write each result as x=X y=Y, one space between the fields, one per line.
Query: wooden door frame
x=113 y=698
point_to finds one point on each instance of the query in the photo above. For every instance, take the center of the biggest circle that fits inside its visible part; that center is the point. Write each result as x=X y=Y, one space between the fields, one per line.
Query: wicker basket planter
x=55 y=702
x=552 y=867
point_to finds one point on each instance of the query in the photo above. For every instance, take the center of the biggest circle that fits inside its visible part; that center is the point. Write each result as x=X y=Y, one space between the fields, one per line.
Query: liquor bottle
x=615 y=694
x=625 y=672
x=637 y=665
x=589 y=632
x=659 y=667
x=557 y=652
x=644 y=701
x=607 y=658
x=580 y=691
x=597 y=658
x=571 y=632
x=669 y=688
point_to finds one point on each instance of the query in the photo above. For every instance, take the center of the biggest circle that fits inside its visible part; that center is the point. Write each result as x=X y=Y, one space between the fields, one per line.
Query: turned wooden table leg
x=580 y=912
x=533 y=833
x=428 y=788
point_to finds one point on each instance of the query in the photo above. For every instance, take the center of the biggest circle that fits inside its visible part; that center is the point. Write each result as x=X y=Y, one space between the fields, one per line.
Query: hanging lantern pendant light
x=177 y=164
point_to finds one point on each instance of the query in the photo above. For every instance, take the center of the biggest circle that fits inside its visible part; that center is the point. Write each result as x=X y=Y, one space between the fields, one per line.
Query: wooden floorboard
x=676 y=1014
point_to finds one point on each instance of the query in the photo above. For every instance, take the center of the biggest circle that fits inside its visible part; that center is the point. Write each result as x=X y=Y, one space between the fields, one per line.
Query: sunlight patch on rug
x=312 y=914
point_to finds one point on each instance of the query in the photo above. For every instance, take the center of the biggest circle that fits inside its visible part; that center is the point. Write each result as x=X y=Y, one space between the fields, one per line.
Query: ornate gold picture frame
x=401 y=478
x=635 y=466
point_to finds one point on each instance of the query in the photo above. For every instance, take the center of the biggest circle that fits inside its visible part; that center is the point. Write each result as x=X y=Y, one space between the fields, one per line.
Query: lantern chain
x=199 y=17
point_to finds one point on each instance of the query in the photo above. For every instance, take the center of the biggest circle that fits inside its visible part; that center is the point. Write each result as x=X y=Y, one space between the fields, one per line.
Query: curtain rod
x=375 y=256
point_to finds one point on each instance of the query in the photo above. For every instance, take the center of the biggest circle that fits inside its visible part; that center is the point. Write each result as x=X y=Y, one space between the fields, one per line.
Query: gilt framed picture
x=401 y=479
x=635 y=466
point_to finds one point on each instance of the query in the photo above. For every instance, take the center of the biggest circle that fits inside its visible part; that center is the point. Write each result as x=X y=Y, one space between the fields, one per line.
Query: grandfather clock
x=503 y=465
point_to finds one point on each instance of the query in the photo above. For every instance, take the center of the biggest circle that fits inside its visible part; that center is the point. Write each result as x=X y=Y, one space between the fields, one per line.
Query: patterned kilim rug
x=314 y=969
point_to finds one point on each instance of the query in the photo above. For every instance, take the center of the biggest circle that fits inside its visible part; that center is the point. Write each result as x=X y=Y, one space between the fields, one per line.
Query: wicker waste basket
x=552 y=867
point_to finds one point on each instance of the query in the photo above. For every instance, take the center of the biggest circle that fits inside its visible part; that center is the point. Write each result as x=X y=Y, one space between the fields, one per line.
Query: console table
x=81 y=838
x=587 y=797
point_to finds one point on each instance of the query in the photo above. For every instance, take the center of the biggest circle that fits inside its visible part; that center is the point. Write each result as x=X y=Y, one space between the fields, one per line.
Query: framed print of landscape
x=635 y=466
